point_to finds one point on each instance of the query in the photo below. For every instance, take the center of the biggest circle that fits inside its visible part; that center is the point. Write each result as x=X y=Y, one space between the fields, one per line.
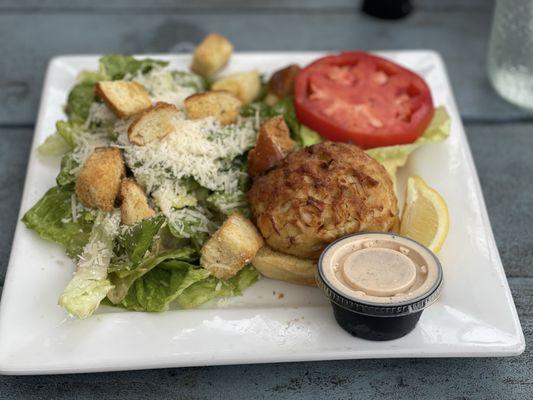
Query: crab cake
x=319 y=194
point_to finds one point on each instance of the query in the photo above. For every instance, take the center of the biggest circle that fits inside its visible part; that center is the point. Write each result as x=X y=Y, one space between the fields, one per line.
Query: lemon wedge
x=425 y=215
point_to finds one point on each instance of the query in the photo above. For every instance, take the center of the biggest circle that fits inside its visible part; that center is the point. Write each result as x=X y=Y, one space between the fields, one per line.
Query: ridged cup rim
x=393 y=309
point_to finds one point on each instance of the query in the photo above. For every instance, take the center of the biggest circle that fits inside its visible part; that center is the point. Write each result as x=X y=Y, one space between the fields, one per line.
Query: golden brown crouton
x=276 y=265
x=231 y=247
x=134 y=207
x=124 y=98
x=244 y=85
x=222 y=105
x=281 y=83
x=98 y=183
x=273 y=145
x=152 y=124
x=211 y=55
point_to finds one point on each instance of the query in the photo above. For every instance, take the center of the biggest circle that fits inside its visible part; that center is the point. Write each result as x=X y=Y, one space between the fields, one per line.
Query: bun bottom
x=284 y=267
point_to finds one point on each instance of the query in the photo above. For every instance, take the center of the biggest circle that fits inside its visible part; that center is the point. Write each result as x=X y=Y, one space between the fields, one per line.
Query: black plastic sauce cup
x=378 y=320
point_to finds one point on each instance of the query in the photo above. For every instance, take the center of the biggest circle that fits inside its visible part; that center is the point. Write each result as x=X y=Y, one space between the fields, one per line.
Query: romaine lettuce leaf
x=91 y=77
x=62 y=141
x=83 y=294
x=285 y=107
x=79 y=101
x=116 y=66
x=212 y=287
x=138 y=239
x=189 y=222
x=393 y=157
x=54 y=145
x=302 y=135
x=65 y=176
x=226 y=203
x=89 y=285
x=123 y=279
x=159 y=287
x=52 y=218
x=188 y=79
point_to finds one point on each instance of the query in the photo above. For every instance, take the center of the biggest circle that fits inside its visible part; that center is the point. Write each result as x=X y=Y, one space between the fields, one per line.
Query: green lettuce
x=158 y=288
x=226 y=203
x=309 y=137
x=65 y=176
x=54 y=145
x=62 y=141
x=79 y=101
x=124 y=278
x=188 y=79
x=301 y=134
x=138 y=239
x=285 y=107
x=89 y=284
x=212 y=287
x=91 y=77
x=394 y=157
x=51 y=218
x=117 y=66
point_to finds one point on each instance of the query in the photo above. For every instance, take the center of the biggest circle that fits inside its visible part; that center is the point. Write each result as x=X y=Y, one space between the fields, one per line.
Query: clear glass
x=510 y=60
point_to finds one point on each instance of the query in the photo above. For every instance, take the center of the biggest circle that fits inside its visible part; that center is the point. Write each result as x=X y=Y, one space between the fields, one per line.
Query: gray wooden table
x=33 y=31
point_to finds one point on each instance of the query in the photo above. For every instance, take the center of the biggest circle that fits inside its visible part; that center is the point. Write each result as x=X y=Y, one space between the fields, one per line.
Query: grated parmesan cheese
x=73 y=207
x=202 y=149
x=186 y=222
x=99 y=113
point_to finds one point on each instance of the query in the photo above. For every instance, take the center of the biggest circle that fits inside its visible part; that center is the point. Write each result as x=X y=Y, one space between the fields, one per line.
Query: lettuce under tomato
x=394 y=157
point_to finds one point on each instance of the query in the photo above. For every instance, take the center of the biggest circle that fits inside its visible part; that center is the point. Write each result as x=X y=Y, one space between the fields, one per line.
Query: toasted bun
x=284 y=267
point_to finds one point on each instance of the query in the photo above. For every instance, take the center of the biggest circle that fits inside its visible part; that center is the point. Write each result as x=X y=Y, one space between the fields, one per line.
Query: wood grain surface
x=34 y=33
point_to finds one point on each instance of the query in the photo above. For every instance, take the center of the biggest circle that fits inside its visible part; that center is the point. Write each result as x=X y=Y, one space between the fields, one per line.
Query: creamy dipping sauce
x=379 y=268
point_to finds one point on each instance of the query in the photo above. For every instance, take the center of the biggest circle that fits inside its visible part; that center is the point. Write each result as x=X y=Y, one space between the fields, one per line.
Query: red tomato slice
x=361 y=98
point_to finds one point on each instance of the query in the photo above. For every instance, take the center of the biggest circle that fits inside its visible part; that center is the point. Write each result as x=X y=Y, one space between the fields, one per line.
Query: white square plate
x=273 y=321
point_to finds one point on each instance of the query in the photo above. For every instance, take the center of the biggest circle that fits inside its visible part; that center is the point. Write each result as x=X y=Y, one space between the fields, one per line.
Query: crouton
x=134 y=207
x=273 y=144
x=124 y=98
x=244 y=85
x=152 y=124
x=281 y=84
x=98 y=183
x=231 y=247
x=211 y=55
x=284 y=267
x=222 y=105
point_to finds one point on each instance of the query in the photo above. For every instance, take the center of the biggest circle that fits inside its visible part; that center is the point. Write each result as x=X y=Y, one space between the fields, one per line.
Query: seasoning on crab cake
x=319 y=194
